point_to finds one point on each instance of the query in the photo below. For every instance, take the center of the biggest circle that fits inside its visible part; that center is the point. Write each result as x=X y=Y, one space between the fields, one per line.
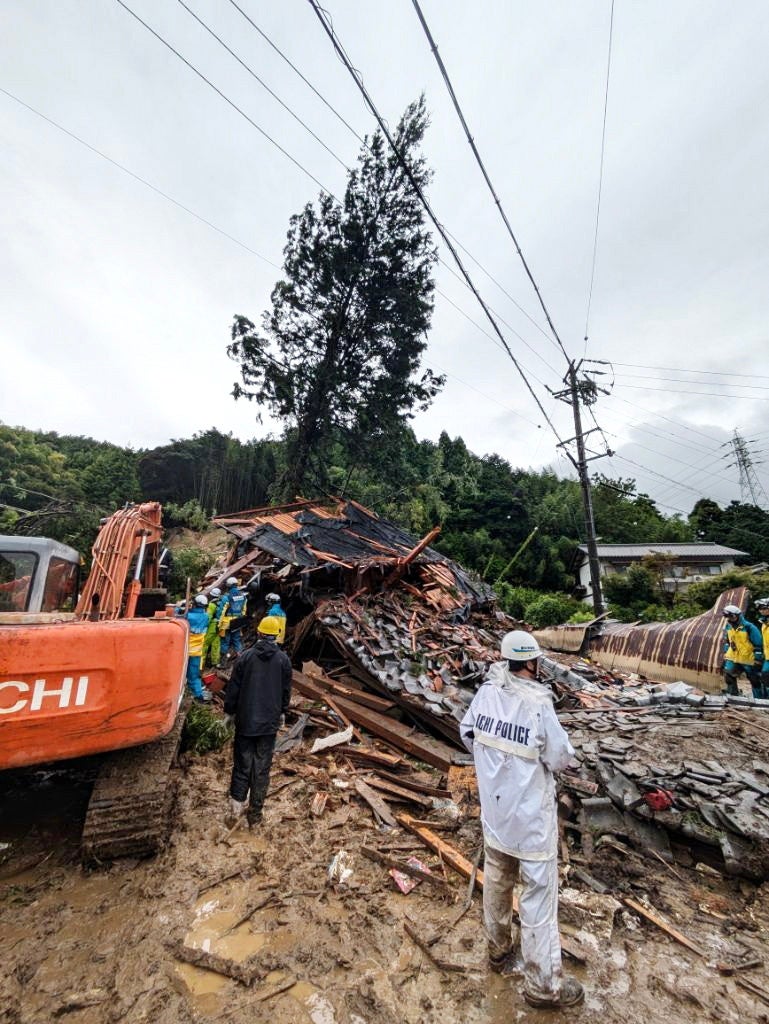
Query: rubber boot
x=508 y=964
x=235 y=811
x=571 y=994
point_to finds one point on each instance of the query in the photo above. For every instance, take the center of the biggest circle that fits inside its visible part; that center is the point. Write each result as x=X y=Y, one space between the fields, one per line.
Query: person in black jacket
x=256 y=699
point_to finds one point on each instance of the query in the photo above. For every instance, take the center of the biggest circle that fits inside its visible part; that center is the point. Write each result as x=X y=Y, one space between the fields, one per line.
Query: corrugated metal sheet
x=690 y=650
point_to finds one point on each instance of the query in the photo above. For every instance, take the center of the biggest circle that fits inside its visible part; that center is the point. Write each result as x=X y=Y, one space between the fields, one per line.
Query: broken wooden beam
x=397 y=734
x=399 y=792
x=375 y=802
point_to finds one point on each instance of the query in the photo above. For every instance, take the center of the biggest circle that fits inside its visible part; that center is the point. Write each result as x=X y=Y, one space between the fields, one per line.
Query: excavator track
x=129 y=813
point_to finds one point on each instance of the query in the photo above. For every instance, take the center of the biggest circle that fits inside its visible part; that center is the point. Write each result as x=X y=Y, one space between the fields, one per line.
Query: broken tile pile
x=664 y=766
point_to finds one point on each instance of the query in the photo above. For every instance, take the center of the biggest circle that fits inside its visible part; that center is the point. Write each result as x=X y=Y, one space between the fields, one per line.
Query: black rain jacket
x=259 y=689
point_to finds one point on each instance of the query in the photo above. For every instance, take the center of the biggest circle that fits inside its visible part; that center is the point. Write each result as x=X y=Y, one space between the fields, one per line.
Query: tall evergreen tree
x=338 y=354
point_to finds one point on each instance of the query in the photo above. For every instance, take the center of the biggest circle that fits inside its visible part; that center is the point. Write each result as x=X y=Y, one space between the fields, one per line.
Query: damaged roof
x=308 y=534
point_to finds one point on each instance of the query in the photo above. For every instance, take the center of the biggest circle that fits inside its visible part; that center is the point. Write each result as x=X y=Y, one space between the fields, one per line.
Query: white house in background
x=693 y=562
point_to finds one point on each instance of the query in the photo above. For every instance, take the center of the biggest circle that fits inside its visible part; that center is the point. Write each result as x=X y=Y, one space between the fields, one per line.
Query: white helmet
x=732 y=609
x=762 y=603
x=215 y=592
x=273 y=598
x=201 y=599
x=520 y=646
x=232 y=582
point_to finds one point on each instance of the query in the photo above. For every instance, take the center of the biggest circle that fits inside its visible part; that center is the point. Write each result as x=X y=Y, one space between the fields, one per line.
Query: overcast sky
x=116 y=304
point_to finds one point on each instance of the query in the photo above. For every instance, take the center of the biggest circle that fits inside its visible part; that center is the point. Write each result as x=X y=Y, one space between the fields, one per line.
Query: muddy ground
x=99 y=946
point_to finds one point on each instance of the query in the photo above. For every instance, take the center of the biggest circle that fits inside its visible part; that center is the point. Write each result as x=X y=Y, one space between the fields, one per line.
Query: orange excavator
x=103 y=676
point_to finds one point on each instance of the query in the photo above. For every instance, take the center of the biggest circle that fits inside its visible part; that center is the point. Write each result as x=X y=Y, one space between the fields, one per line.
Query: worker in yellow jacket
x=212 y=643
x=743 y=651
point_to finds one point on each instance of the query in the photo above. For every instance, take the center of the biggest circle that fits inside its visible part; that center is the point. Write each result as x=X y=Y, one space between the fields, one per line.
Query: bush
x=581 y=616
x=514 y=600
x=550 y=610
x=190 y=514
x=186 y=562
x=704 y=595
x=204 y=731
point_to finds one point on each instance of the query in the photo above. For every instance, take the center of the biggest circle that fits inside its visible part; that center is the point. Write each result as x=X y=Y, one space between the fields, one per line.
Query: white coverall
x=518 y=743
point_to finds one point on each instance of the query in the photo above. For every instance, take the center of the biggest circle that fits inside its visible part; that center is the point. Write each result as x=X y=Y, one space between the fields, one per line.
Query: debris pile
x=664 y=766
x=364 y=598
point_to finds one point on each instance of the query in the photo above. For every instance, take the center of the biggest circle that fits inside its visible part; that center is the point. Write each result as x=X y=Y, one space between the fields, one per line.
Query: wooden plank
x=402 y=737
x=399 y=791
x=662 y=924
x=369 y=700
x=418 y=787
x=448 y=853
x=465 y=867
x=371 y=756
x=375 y=802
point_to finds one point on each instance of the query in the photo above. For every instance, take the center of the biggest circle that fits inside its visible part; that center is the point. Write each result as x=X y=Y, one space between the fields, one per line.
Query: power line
x=138 y=177
x=703 y=394
x=328 y=149
x=261 y=82
x=364 y=142
x=687 y=380
x=323 y=18
x=600 y=177
x=226 y=98
x=479 y=161
x=660 y=416
x=294 y=68
x=692 y=369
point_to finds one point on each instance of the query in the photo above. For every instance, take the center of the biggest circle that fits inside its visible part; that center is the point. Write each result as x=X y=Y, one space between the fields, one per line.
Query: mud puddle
x=101 y=947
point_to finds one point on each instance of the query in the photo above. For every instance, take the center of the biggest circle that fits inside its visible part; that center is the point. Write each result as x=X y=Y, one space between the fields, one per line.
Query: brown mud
x=100 y=946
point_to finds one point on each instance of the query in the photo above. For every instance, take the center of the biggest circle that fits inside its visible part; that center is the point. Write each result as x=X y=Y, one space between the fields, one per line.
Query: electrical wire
x=261 y=82
x=692 y=369
x=138 y=177
x=364 y=142
x=703 y=394
x=226 y=98
x=600 y=179
x=688 y=380
x=294 y=68
x=479 y=161
x=325 y=22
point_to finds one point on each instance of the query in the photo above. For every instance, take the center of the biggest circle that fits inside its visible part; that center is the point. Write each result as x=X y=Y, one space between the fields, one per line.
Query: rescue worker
x=743 y=650
x=197 y=617
x=518 y=745
x=275 y=611
x=763 y=610
x=256 y=700
x=231 y=607
x=212 y=644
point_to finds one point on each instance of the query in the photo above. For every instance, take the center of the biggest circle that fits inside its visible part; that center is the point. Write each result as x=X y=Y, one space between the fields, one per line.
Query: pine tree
x=338 y=354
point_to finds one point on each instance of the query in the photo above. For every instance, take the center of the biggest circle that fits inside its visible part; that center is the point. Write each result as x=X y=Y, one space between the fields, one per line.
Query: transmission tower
x=751 y=489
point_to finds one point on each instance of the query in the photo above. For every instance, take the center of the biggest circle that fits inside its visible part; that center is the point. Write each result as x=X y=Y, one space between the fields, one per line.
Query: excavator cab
x=37 y=576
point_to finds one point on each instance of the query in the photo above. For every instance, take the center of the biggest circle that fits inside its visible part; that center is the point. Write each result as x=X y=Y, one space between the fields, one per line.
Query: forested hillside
x=60 y=486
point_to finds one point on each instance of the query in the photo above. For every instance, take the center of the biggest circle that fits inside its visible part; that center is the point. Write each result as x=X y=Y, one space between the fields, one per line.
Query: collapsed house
x=392 y=633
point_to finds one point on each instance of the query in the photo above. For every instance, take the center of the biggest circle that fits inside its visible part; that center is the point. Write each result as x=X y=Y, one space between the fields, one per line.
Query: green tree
x=338 y=354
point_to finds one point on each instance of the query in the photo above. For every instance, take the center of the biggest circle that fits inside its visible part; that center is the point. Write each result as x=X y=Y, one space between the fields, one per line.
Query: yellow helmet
x=269 y=626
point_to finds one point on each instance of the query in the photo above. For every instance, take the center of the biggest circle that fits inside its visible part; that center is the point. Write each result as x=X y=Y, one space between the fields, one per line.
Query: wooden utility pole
x=584 y=391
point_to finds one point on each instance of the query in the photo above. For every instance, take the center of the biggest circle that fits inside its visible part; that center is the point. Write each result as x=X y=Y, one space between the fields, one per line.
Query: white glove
x=229 y=721
x=282 y=722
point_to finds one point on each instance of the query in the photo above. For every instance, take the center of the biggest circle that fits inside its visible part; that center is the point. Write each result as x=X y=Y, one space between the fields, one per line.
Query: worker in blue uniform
x=231 y=608
x=743 y=651
x=762 y=606
x=275 y=611
x=197 y=619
